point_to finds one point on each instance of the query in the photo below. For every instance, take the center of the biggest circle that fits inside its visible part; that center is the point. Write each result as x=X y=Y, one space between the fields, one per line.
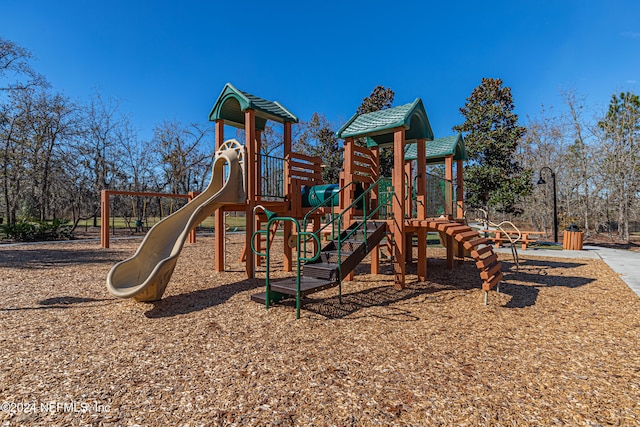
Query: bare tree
x=543 y=145
x=579 y=155
x=98 y=148
x=15 y=71
x=183 y=154
x=620 y=155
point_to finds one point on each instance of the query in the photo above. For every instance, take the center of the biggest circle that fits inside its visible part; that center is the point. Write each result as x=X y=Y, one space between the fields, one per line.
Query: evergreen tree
x=492 y=177
x=380 y=98
x=318 y=138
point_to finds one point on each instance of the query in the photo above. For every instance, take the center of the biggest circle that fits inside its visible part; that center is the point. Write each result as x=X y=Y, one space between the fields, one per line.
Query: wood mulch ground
x=558 y=346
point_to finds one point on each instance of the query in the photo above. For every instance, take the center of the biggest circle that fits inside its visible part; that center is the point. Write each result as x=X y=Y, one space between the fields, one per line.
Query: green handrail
x=267 y=254
x=337 y=220
x=364 y=211
x=325 y=203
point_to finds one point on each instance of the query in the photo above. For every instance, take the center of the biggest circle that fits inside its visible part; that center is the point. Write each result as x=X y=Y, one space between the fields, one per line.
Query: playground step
x=486 y=262
x=492 y=282
x=466 y=235
x=324 y=270
x=491 y=270
x=332 y=256
x=470 y=244
x=308 y=285
x=477 y=253
x=261 y=298
x=348 y=244
x=352 y=252
x=456 y=229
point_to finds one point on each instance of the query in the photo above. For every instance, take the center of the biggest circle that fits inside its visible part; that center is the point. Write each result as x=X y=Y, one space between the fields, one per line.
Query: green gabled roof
x=378 y=126
x=438 y=149
x=232 y=103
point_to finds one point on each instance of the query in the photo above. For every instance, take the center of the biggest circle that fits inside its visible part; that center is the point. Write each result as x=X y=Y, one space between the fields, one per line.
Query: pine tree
x=492 y=177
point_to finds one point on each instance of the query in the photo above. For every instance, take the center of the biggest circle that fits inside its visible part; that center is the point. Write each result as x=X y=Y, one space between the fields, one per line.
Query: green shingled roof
x=438 y=149
x=378 y=126
x=232 y=103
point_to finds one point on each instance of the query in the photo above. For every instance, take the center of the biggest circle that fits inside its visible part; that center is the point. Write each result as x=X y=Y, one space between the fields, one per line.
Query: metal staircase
x=328 y=266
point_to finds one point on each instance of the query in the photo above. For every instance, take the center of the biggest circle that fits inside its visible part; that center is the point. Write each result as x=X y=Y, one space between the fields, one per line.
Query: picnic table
x=526 y=237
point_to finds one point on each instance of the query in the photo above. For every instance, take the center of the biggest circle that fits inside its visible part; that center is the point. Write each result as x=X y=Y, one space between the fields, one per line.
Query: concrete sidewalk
x=624 y=263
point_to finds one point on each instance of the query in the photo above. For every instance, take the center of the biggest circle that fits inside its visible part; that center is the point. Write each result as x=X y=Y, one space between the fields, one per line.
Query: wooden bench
x=525 y=237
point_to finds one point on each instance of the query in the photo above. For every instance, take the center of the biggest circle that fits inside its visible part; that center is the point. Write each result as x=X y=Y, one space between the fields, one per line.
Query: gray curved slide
x=145 y=275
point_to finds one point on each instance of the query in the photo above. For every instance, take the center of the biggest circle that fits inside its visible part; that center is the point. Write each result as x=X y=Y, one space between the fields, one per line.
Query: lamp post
x=541 y=181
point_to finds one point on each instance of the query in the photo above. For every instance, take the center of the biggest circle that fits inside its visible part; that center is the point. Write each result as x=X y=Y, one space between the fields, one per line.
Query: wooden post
x=448 y=192
x=258 y=170
x=460 y=189
x=398 y=208
x=287 y=138
x=421 y=181
x=192 y=233
x=408 y=247
x=421 y=190
x=104 y=219
x=348 y=197
x=450 y=250
x=258 y=187
x=422 y=254
x=219 y=249
x=250 y=132
x=460 y=200
x=409 y=186
x=375 y=253
x=290 y=197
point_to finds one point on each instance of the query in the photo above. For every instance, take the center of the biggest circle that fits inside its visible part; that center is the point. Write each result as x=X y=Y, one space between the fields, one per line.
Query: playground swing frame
x=105 y=213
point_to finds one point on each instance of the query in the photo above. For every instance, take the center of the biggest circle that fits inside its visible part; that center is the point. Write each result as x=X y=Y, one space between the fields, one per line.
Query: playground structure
x=357 y=213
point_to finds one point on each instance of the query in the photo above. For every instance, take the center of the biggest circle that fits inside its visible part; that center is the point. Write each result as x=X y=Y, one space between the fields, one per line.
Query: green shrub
x=30 y=231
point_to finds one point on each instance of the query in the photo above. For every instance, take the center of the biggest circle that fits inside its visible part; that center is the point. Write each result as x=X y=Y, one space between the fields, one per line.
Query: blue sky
x=170 y=59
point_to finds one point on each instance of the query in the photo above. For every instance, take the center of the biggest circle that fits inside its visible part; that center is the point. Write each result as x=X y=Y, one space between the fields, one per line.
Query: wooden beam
x=219 y=225
x=398 y=208
x=258 y=175
x=375 y=253
x=460 y=189
x=347 y=199
x=292 y=197
x=409 y=204
x=448 y=192
x=422 y=254
x=422 y=180
x=192 y=233
x=104 y=218
x=250 y=167
x=287 y=138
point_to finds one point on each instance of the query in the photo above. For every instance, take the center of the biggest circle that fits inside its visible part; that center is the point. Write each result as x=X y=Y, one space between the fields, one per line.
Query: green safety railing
x=337 y=221
x=303 y=236
x=272 y=217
